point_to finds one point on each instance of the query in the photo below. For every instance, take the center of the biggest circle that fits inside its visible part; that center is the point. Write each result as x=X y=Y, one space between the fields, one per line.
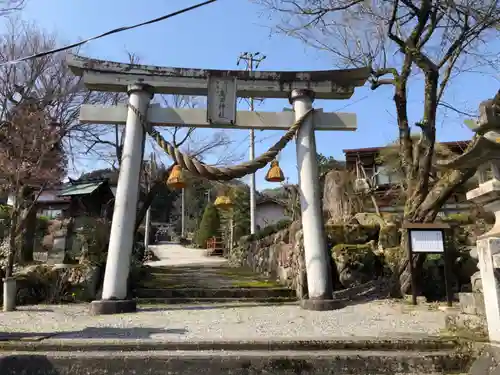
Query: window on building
x=50 y=213
x=386 y=177
x=369 y=171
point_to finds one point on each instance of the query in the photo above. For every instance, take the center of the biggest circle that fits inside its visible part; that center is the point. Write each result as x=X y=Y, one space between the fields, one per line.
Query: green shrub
x=4 y=221
x=4 y=212
x=42 y=225
x=94 y=233
x=209 y=226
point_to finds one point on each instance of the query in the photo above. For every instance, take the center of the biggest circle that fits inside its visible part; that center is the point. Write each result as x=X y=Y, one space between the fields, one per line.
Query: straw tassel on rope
x=176 y=179
x=275 y=174
x=221 y=174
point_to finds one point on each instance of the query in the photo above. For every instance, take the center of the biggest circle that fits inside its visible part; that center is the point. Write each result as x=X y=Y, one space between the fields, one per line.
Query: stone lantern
x=483 y=154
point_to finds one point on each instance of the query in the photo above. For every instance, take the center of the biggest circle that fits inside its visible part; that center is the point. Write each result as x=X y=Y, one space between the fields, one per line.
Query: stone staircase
x=339 y=357
x=208 y=284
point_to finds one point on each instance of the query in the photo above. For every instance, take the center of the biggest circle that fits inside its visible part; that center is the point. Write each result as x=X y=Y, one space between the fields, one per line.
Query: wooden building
x=386 y=180
x=88 y=198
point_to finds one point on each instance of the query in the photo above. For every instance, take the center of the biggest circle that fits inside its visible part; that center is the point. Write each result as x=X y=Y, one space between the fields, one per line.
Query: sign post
x=428 y=238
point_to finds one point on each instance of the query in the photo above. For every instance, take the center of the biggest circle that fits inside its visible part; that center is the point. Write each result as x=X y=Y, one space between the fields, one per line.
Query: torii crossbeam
x=197 y=118
x=222 y=88
x=101 y=75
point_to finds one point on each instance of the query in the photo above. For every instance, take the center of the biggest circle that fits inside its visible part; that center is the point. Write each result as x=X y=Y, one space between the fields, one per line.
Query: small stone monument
x=59 y=253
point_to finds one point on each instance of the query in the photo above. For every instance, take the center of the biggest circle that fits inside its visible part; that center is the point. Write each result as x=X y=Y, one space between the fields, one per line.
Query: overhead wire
x=114 y=31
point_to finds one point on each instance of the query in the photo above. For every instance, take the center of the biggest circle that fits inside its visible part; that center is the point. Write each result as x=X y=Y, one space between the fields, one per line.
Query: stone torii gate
x=222 y=88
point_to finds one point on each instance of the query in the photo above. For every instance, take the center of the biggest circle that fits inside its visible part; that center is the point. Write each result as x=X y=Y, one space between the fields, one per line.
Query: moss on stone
x=255 y=284
x=459 y=218
x=268 y=231
x=351 y=233
x=356 y=258
x=235 y=272
x=389 y=236
x=351 y=249
x=393 y=256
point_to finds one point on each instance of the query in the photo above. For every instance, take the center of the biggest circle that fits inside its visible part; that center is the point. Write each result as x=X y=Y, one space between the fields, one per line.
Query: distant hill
x=276 y=193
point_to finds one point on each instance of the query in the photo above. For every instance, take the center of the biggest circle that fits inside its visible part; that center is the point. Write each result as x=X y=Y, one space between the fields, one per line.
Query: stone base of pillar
x=9 y=294
x=323 y=304
x=113 y=306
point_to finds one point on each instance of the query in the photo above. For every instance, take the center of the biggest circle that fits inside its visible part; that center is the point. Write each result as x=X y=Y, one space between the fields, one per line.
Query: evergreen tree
x=209 y=226
x=241 y=211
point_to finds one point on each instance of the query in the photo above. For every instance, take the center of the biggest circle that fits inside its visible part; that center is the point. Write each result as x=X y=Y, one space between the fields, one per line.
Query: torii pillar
x=121 y=240
x=319 y=274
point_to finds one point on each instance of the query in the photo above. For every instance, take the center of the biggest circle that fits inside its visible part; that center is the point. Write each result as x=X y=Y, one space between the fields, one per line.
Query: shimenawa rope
x=220 y=174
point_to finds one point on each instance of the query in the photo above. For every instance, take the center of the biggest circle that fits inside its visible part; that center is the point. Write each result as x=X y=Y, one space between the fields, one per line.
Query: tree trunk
x=147 y=202
x=404 y=279
x=149 y=198
x=12 y=241
x=27 y=235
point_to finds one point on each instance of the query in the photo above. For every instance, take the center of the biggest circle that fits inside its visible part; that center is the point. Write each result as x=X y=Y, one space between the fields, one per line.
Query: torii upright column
x=319 y=275
x=114 y=294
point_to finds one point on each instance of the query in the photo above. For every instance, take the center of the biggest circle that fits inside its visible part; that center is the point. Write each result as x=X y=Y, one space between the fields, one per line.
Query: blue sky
x=214 y=36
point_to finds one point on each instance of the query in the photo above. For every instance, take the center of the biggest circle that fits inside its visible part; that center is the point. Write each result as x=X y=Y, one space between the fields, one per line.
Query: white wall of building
x=268 y=213
x=44 y=197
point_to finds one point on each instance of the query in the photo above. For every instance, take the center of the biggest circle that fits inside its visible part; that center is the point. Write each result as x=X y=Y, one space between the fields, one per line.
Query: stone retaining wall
x=360 y=253
x=280 y=255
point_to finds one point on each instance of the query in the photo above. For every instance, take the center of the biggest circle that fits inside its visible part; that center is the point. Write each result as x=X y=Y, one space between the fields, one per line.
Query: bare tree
x=49 y=80
x=50 y=91
x=401 y=40
x=31 y=159
x=10 y=6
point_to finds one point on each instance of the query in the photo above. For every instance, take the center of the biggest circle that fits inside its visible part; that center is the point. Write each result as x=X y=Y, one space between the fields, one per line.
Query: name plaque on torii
x=222 y=88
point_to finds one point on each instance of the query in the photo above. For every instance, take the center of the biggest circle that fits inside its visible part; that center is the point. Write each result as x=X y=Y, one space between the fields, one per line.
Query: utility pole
x=252 y=61
x=150 y=171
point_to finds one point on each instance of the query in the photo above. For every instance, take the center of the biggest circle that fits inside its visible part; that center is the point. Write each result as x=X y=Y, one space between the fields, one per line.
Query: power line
x=114 y=31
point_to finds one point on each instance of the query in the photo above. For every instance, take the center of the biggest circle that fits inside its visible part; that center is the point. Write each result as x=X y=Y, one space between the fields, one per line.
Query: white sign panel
x=221 y=100
x=427 y=241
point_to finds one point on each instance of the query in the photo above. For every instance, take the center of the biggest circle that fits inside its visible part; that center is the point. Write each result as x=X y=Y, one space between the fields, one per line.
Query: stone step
x=472 y=303
x=210 y=300
x=213 y=293
x=468 y=325
x=413 y=342
x=234 y=362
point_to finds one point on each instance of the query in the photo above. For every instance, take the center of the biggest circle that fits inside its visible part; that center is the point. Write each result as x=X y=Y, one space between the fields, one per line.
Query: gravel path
x=173 y=254
x=181 y=323
x=223 y=322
